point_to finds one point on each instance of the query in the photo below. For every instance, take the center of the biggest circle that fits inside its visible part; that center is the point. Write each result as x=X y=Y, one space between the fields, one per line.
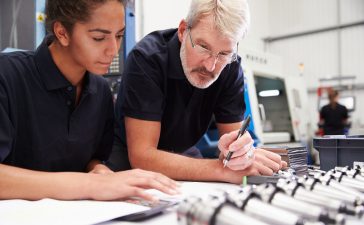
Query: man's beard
x=204 y=79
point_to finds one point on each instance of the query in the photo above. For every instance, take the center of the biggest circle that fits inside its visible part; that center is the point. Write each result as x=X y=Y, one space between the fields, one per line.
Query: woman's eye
x=98 y=39
x=121 y=36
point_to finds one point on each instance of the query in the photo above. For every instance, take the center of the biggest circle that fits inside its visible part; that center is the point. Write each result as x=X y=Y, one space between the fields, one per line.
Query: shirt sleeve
x=230 y=106
x=346 y=114
x=6 y=126
x=141 y=92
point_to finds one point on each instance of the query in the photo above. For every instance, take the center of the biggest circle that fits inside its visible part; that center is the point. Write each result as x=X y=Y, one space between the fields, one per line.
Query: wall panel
x=290 y=16
x=351 y=11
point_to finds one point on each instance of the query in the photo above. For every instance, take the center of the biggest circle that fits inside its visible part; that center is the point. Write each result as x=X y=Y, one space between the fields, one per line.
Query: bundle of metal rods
x=332 y=197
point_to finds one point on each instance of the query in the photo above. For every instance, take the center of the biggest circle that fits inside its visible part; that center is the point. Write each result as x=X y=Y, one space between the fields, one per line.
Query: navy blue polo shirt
x=334 y=119
x=41 y=129
x=155 y=88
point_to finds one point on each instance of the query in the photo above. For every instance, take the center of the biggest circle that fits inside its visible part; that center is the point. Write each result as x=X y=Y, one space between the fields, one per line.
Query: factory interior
x=299 y=58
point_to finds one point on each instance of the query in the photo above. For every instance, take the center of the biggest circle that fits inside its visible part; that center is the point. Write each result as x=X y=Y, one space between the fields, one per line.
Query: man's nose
x=210 y=62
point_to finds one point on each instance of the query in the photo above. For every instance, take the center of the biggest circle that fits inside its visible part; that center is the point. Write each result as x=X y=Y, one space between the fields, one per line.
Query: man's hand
x=246 y=157
x=240 y=159
x=101 y=169
x=96 y=166
x=265 y=163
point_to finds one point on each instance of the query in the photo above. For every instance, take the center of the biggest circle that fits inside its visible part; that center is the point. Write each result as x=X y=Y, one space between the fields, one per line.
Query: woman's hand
x=130 y=183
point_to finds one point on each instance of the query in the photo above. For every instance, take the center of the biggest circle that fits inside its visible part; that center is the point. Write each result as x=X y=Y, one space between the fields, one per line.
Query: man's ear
x=61 y=33
x=181 y=29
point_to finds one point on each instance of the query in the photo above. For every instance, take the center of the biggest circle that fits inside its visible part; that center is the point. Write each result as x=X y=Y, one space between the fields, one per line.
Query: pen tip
x=225 y=163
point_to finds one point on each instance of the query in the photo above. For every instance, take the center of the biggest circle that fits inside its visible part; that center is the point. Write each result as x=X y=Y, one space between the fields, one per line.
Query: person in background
x=56 y=111
x=333 y=116
x=174 y=81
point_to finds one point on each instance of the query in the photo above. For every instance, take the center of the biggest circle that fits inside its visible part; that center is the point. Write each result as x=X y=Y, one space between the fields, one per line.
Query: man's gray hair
x=231 y=17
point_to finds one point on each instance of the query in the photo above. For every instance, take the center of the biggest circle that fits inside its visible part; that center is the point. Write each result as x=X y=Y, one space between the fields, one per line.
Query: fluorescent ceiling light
x=269 y=93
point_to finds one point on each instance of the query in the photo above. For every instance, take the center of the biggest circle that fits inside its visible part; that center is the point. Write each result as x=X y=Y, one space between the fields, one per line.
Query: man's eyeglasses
x=221 y=57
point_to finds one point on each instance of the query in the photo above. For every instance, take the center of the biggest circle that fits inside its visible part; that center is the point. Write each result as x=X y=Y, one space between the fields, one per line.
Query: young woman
x=56 y=112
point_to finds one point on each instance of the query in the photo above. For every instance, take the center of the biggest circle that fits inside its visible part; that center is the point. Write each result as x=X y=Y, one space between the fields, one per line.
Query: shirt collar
x=90 y=83
x=175 y=69
x=50 y=74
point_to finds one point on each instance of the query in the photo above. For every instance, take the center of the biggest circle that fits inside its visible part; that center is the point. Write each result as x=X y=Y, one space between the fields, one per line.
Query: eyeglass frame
x=217 y=58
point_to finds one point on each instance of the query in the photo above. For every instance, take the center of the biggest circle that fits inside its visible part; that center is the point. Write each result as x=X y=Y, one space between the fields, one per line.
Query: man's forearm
x=180 y=167
x=143 y=137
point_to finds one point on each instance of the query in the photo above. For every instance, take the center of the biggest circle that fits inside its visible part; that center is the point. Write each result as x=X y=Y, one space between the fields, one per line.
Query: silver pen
x=242 y=130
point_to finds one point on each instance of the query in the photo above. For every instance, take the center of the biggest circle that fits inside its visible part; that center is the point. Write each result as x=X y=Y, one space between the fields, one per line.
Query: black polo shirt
x=155 y=88
x=41 y=129
x=334 y=119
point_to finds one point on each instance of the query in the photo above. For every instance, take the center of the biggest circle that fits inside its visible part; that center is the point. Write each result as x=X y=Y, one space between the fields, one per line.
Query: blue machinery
x=208 y=143
x=39 y=23
x=129 y=38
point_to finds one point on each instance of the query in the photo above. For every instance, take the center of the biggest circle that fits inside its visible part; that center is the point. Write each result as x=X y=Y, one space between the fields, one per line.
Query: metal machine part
x=346 y=180
x=334 y=206
x=320 y=198
x=214 y=210
x=276 y=196
x=250 y=203
x=331 y=190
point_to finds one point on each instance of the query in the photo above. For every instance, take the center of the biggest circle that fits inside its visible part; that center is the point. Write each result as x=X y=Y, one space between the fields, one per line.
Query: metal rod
x=305 y=33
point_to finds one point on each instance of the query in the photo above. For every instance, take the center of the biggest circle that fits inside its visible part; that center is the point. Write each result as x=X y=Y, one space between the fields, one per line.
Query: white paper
x=53 y=212
x=199 y=189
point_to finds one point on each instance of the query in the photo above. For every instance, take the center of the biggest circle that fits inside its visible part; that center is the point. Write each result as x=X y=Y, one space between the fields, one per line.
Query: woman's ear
x=181 y=29
x=61 y=33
